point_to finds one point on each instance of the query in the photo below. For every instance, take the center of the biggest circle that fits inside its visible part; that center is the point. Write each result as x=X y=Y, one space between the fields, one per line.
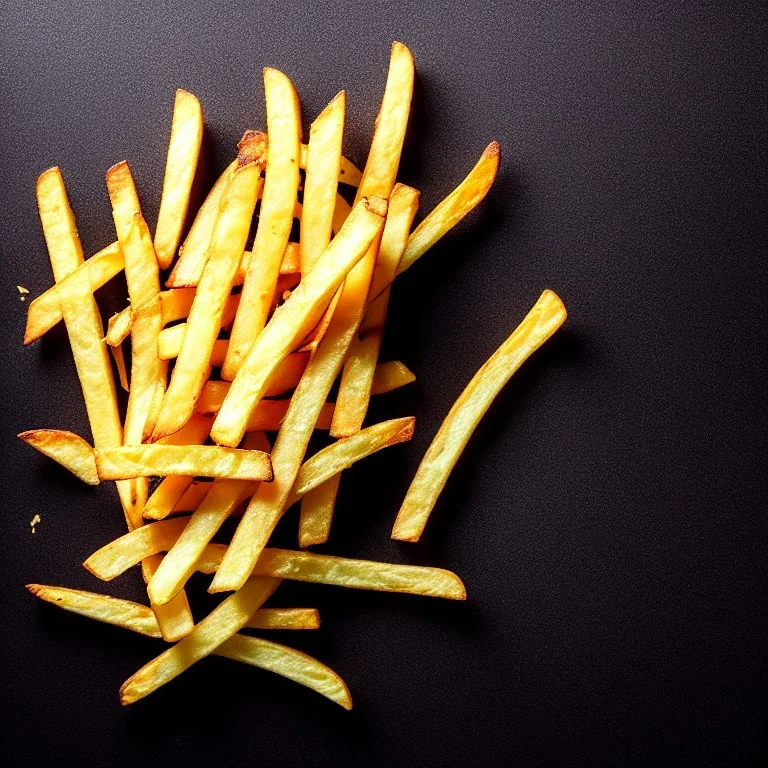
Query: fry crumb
x=22 y=289
x=33 y=522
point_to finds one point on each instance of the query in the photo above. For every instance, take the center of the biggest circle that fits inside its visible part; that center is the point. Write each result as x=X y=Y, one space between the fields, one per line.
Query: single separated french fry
x=231 y=231
x=295 y=318
x=220 y=502
x=141 y=619
x=83 y=321
x=257 y=652
x=204 y=460
x=281 y=185
x=357 y=377
x=546 y=316
x=223 y=622
x=181 y=164
x=45 y=311
x=321 y=181
x=129 y=550
x=67 y=449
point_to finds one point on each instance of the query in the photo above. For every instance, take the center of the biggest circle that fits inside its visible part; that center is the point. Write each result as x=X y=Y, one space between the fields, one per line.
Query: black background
x=608 y=517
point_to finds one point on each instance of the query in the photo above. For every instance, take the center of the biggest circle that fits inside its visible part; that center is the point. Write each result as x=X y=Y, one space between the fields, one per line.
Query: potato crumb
x=22 y=289
x=35 y=521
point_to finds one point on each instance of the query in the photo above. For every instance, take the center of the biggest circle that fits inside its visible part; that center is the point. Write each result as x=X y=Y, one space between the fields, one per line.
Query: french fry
x=180 y=167
x=119 y=327
x=219 y=503
x=546 y=316
x=123 y=553
x=281 y=184
x=122 y=372
x=357 y=377
x=83 y=321
x=174 y=619
x=349 y=173
x=194 y=252
x=143 y=277
x=205 y=460
x=269 y=416
x=448 y=213
x=321 y=181
x=237 y=206
x=266 y=507
x=223 y=622
x=193 y=496
x=141 y=619
x=390 y=376
x=67 y=449
x=293 y=321
x=345 y=452
x=316 y=513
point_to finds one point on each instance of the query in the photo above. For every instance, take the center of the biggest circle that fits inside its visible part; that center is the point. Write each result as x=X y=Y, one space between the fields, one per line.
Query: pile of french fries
x=231 y=366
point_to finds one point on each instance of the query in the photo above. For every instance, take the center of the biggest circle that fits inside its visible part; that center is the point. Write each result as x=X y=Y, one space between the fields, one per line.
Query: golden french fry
x=349 y=173
x=67 y=449
x=345 y=452
x=122 y=373
x=316 y=514
x=321 y=181
x=174 y=619
x=295 y=318
x=175 y=304
x=119 y=327
x=223 y=622
x=194 y=252
x=139 y=618
x=219 y=503
x=281 y=184
x=83 y=321
x=205 y=460
x=180 y=167
x=546 y=316
x=390 y=376
x=237 y=206
x=193 y=496
x=45 y=311
x=269 y=416
x=448 y=213
x=357 y=377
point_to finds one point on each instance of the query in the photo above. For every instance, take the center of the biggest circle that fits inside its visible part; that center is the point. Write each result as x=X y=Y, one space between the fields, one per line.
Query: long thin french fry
x=357 y=377
x=174 y=619
x=321 y=181
x=546 y=316
x=231 y=231
x=317 y=512
x=295 y=318
x=221 y=624
x=266 y=507
x=123 y=553
x=205 y=460
x=193 y=496
x=83 y=321
x=281 y=184
x=180 y=167
x=67 y=449
x=45 y=311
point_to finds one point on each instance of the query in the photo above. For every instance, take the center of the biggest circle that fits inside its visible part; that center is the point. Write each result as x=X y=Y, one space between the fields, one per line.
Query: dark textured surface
x=609 y=518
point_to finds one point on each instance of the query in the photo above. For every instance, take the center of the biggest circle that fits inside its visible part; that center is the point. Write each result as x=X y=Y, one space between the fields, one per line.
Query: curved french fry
x=546 y=316
x=67 y=449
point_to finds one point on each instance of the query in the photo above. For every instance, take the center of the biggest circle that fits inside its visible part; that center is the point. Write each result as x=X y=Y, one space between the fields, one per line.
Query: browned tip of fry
x=494 y=148
x=406 y=433
x=117 y=169
x=252 y=148
x=377 y=205
x=125 y=699
x=35 y=589
x=46 y=173
x=401 y=48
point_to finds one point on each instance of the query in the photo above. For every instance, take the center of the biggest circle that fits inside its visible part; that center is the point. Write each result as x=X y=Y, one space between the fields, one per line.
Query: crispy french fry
x=390 y=376
x=219 y=503
x=122 y=372
x=281 y=184
x=349 y=173
x=237 y=206
x=171 y=339
x=123 y=553
x=546 y=316
x=223 y=622
x=316 y=514
x=45 y=311
x=205 y=460
x=448 y=213
x=345 y=452
x=141 y=619
x=119 y=327
x=174 y=619
x=193 y=496
x=321 y=181
x=266 y=507
x=67 y=449
x=180 y=167
x=357 y=377
x=194 y=252
x=83 y=321
x=269 y=416
x=297 y=316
